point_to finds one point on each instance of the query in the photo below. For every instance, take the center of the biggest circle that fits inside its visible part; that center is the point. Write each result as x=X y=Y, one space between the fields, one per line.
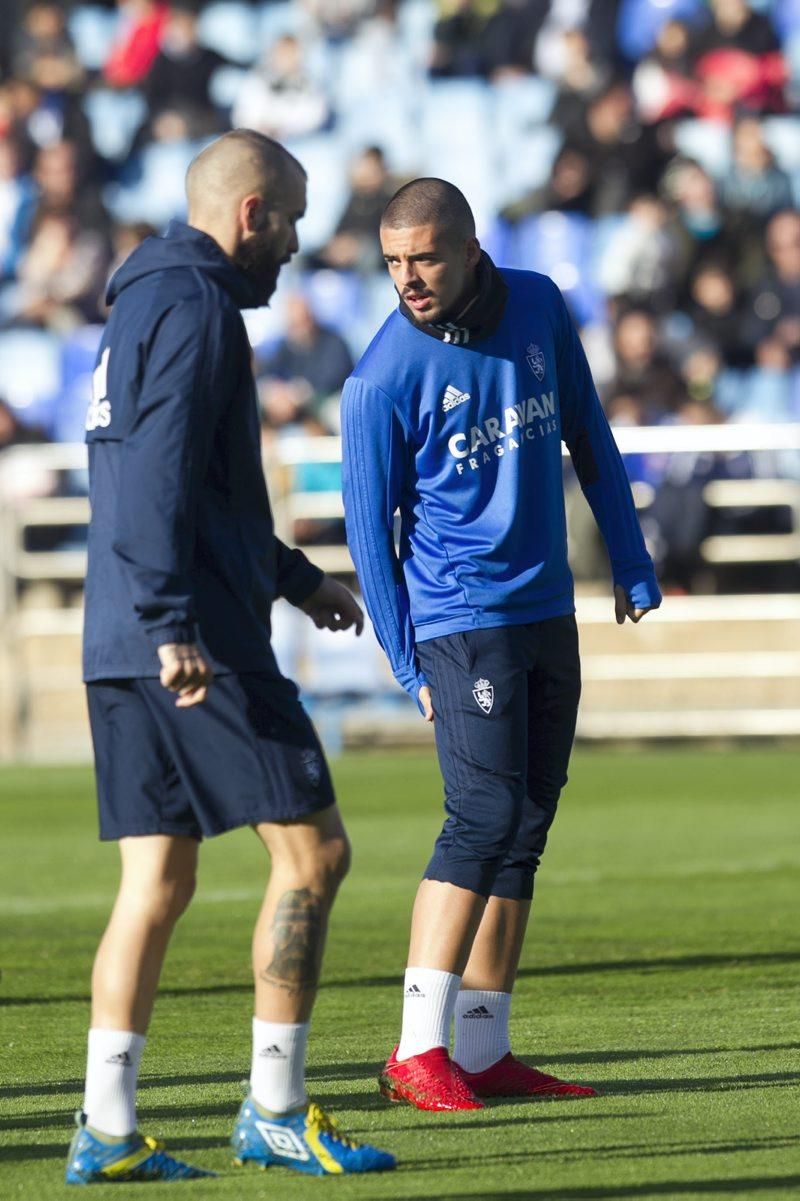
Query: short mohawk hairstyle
x=430 y=201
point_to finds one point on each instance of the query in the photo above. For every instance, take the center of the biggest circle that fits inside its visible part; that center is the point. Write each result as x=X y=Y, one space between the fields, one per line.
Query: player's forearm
x=297 y=578
x=608 y=491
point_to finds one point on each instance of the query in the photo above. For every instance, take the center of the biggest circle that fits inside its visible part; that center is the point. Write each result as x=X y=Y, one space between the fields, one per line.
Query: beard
x=256 y=259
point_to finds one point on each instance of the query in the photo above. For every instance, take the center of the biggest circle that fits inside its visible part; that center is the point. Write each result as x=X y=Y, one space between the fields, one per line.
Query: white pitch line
x=31 y=906
x=21 y=906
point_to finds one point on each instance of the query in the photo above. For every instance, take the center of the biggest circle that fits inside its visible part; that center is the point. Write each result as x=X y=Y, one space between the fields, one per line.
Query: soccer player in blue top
x=455 y=416
x=195 y=730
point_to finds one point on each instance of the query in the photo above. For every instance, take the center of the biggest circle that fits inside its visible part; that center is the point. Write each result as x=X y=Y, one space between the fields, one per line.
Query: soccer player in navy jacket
x=455 y=416
x=195 y=730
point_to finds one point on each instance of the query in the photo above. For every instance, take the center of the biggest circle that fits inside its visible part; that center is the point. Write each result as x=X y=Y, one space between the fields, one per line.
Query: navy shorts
x=505 y=702
x=248 y=754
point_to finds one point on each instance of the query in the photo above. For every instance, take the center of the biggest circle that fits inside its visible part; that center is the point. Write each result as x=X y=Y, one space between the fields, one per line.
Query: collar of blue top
x=479 y=318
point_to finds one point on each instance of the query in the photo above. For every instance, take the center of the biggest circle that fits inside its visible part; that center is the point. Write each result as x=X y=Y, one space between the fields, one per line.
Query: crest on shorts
x=483 y=692
x=312 y=766
x=535 y=357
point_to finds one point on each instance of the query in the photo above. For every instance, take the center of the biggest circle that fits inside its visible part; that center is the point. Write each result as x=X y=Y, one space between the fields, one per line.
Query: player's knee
x=335 y=861
x=183 y=889
x=165 y=900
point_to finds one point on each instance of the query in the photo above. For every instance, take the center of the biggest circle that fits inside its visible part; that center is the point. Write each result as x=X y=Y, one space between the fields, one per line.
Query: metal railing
x=704 y=666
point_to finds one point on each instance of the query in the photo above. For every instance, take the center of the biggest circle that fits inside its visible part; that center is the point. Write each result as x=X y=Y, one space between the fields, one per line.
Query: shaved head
x=431 y=202
x=248 y=193
x=430 y=249
x=238 y=164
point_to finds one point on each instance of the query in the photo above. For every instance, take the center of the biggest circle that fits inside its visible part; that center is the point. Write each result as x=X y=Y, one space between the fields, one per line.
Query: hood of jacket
x=183 y=247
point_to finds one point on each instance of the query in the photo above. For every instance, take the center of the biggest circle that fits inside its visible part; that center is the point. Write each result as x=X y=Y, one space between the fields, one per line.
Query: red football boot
x=510 y=1077
x=428 y=1081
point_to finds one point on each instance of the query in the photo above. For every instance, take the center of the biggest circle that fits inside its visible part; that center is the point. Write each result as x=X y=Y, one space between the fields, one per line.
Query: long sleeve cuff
x=411 y=680
x=641 y=586
x=299 y=578
x=179 y=634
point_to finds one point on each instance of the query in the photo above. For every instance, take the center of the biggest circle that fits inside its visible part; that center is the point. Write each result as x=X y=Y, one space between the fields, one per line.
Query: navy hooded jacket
x=181 y=541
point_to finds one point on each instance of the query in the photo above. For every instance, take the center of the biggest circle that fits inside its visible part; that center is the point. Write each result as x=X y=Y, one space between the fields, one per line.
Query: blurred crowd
x=645 y=153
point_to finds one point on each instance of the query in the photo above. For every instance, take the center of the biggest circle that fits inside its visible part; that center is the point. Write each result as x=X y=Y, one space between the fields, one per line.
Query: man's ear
x=473 y=252
x=250 y=213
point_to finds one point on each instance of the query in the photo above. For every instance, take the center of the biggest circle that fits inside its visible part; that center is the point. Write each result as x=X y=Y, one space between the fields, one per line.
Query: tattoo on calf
x=297 y=938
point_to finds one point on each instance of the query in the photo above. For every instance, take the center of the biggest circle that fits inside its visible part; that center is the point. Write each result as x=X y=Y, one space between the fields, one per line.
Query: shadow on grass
x=321 y=1073
x=29 y=1151
x=699 y=1084
x=661 y=1188
x=495 y=1118
x=679 y=963
x=619 y=1056
x=611 y=1151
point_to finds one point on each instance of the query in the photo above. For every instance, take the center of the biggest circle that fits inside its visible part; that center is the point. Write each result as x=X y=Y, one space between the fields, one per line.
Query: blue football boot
x=98 y=1159
x=308 y=1141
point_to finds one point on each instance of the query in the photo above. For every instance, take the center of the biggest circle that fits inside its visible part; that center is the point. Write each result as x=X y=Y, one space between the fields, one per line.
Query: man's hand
x=185 y=671
x=426 y=702
x=623 y=607
x=333 y=607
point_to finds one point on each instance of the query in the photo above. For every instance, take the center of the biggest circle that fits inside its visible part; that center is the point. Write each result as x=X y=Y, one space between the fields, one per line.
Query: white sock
x=112 y=1069
x=278 y=1073
x=429 y=998
x=481 y=1028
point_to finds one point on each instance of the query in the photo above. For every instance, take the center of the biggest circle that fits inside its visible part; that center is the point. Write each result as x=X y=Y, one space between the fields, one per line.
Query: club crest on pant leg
x=312 y=766
x=483 y=692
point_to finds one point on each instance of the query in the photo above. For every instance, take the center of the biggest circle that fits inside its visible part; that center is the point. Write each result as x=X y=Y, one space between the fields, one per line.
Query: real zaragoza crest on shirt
x=536 y=361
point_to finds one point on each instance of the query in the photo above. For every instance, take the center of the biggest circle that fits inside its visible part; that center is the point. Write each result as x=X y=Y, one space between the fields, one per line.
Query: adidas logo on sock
x=480 y=1011
x=123 y=1058
x=273 y=1052
x=414 y=991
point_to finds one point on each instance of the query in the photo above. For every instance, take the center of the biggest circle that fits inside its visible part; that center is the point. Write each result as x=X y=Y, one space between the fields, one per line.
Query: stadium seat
x=520 y=102
x=30 y=374
x=231 y=27
x=785 y=16
x=114 y=117
x=325 y=160
x=154 y=188
x=279 y=17
x=78 y=354
x=92 y=30
x=639 y=22
x=525 y=161
x=224 y=86
x=336 y=298
x=706 y=141
x=266 y=325
x=498 y=242
x=392 y=126
x=607 y=234
x=757 y=394
x=380 y=299
x=560 y=245
x=782 y=135
x=415 y=24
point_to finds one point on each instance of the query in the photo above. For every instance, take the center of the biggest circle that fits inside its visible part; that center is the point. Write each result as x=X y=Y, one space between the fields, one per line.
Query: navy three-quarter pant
x=505 y=703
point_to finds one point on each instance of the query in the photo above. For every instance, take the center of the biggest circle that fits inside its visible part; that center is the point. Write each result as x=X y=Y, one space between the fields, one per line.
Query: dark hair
x=430 y=201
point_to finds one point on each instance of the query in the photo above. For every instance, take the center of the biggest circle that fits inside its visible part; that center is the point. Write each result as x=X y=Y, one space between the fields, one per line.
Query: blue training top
x=465 y=440
x=181 y=541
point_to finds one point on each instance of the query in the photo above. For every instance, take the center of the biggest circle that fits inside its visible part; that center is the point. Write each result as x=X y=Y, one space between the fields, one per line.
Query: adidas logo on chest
x=453 y=398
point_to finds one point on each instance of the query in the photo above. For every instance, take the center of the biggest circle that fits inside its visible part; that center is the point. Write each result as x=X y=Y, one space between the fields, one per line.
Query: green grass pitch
x=661 y=966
